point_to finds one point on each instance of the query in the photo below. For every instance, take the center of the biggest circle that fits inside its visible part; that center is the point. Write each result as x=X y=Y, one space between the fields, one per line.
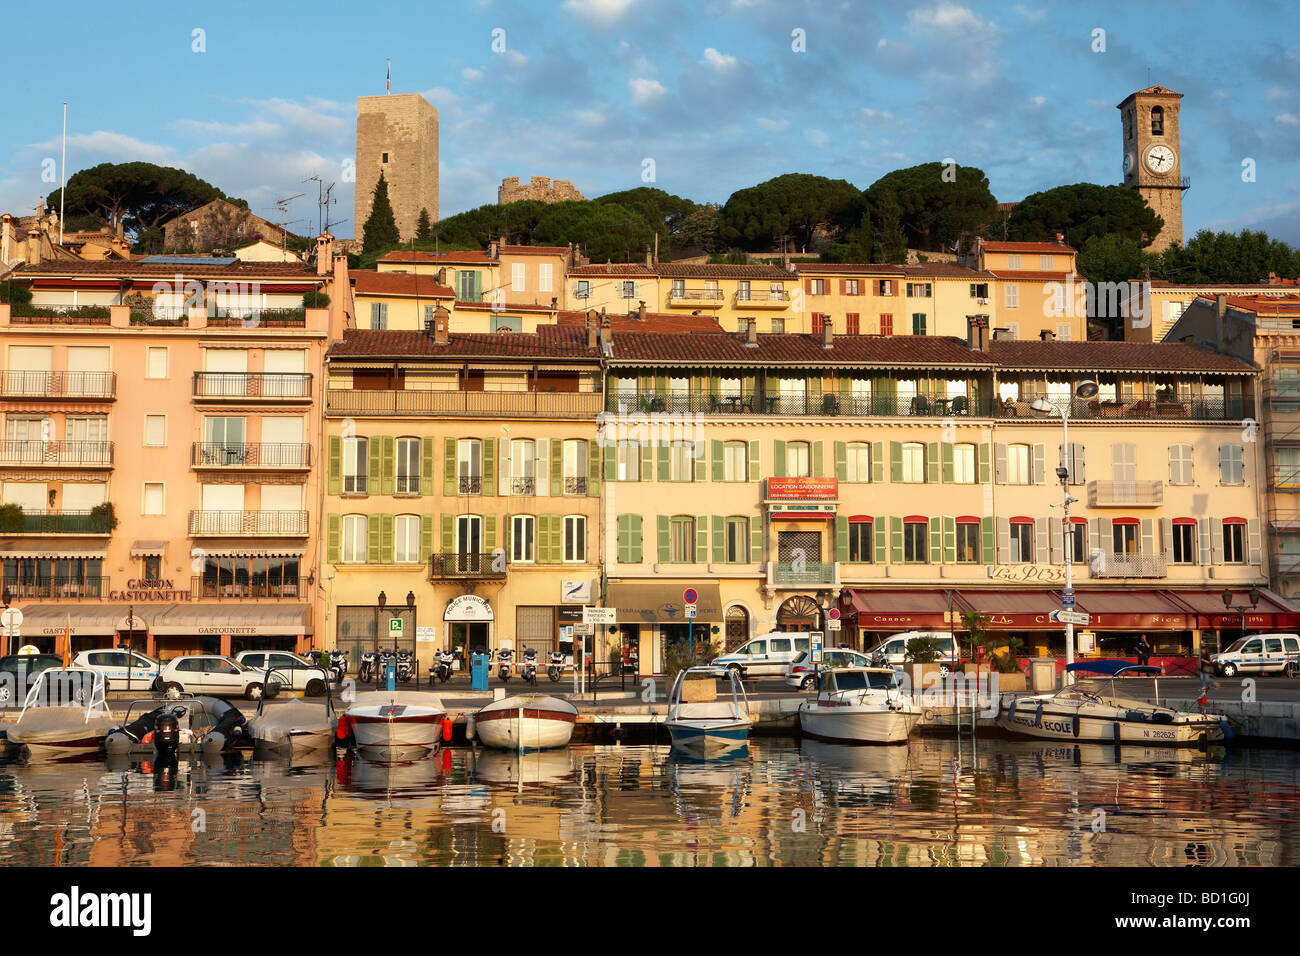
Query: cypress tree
x=380 y=233
x=423 y=228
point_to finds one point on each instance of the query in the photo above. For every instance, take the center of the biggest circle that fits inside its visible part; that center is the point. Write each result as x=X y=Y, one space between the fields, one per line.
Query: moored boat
x=294 y=727
x=859 y=705
x=713 y=727
x=64 y=713
x=180 y=725
x=526 y=722
x=395 y=724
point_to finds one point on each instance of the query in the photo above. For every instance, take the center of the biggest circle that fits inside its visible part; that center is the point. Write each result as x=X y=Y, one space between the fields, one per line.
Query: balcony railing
x=356 y=484
x=760 y=298
x=73 y=385
x=248 y=523
x=62 y=314
x=1139 y=409
x=523 y=486
x=1113 y=565
x=87 y=454
x=470 y=485
x=1111 y=494
x=759 y=403
x=479 y=566
x=261 y=319
x=234 y=385
x=202 y=589
x=262 y=455
x=56 y=522
x=161 y=318
x=575 y=486
x=680 y=294
x=352 y=403
x=407 y=485
x=92 y=586
x=802 y=574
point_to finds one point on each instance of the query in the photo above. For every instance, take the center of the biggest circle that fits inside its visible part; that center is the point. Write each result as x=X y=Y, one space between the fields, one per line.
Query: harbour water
x=934 y=802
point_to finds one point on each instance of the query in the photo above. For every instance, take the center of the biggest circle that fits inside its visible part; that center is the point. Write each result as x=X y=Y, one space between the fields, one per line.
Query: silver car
x=802 y=673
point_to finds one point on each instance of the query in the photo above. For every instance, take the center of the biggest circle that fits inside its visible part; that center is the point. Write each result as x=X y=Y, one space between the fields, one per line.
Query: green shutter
x=557 y=468
x=554 y=525
x=936 y=541
x=427 y=454
x=755 y=461
x=647 y=462
x=449 y=467
x=665 y=539
x=333 y=538
x=715 y=448
x=985 y=463
x=426 y=537
x=947 y=463
x=701 y=539
x=895 y=461
x=817 y=459
x=542 y=541
x=387 y=465
x=932 y=462
x=374 y=539
x=841 y=538
x=662 y=455
x=841 y=461
x=611 y=463
x=386 y=552
x=634 y=535
x=949 y=540
x=334 y=484
x=719 y=540
x=987 y=542
x=374 y=463
x=489 y=533
x=489 y=466
x=756 y=539
x=778 y=458
x=878 y=534
x=895 y=540
x=700 y=465
x=448 y=534
x=593 y=467
x=623 y=538
x=877 y=461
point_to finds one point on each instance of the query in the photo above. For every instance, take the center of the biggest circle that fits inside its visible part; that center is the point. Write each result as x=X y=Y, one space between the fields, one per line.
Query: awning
x=254 y=552
x=1207 y=609
x=147 y=549
x=272 y=620
x=1023 y=609
x=87 y=620
x=899 y=609
x=639 y=602
x=12 y=550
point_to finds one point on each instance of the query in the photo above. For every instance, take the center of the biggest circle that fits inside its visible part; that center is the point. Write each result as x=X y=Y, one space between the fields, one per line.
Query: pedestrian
x=1144 y=650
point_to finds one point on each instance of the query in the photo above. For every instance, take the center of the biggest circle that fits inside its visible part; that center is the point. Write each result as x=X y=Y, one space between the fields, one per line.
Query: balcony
x=785 y=574
x=425 y=403
x=459 y=567
x=757 y=403
x=523 y=486
x=775 y=299
x=272 y=456
x=62 y=314
x=1113 y=565
x=575 y=486
x=406 y=485
x=239 y=524
x=57 y=454
x=201 y=589
x=706 y=296
x=19 y=521
x=1124 y=494
x=1197 y=410
x=252 y=386
x=93 y=586
x=261 y=319
x=470 y=485
x=63 y=386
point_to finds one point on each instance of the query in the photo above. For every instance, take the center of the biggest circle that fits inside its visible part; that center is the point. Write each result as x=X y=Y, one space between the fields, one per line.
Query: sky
x=704 y=97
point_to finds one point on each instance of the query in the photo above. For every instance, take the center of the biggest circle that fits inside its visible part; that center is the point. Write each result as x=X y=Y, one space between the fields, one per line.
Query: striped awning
x=254 y=553
x=11 y=550
x=147 y=549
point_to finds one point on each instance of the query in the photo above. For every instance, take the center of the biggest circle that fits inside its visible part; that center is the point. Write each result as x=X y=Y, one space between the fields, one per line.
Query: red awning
x=899 y=609
x=1018 y=610
x=1207 y=610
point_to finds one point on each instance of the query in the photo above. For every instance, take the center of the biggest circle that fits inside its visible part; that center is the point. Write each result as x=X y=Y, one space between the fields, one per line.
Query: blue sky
x=712 y=91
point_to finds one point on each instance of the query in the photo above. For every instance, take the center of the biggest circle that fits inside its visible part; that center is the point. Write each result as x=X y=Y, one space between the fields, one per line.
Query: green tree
x=791 y=206
x=1111 y=259
x=663 y=211
x=1082 y=211
x=1225 y=257
x=604 y=230
x=937 y=207
x=423 y=227
x=700 y=229
x=138 y=196
x=380 y=233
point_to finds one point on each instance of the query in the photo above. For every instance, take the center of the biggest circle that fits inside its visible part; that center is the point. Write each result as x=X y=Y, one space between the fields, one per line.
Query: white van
x=895 y=648
x=122 y=669
x=1259 y=654
x=767 y=655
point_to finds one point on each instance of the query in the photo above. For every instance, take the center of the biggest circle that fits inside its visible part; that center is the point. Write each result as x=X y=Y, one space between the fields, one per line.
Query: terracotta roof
x=1029 y=275
x=114 y=268
x=473 y=257
x=1260 y=304
x=503 y=307
x=944 y=270
x=862 y=268
x=719 y=270
x=549 y=341
x=634 y=269
x=729 y=348
x=398 y=283
x=1112 y=356
x=1275 y=287
x=535 y=250
x=1053 y=247
x=657 y=322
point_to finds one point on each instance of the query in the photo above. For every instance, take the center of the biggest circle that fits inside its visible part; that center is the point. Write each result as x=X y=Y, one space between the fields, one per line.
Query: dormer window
x=1157 y=121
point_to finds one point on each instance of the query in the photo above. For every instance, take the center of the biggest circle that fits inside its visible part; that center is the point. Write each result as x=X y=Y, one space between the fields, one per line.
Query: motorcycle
x=442 y=666
x=529 y=672
x=338 y=666
x=369 y=669
x=386 y=656
x=503 y=661
x=405 y=666
x=556 y=667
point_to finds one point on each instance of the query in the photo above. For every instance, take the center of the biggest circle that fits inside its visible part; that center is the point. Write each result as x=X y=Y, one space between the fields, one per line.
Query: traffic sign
x=1070 y=617
x=690 y=611
x=12 y=619
x=833 y=624
x=599 y=615
x=1067 y=597
x=833 y=614
x=689 y=596
x=395 y=626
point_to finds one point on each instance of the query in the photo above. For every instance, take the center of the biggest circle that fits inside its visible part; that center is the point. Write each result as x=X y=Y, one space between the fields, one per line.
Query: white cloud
x=719 y=61
x=773 y=125
x=471 y=74
x=945 y=17
x=645 y=90
x=109 y=146
x=1038 y=100
x=817 y=137
x=1287 y=119
x=602 y=11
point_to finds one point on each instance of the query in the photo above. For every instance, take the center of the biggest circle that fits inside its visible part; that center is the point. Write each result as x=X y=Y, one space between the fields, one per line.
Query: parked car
x=215 y=676
x=1259 y=654
x=802 y=673
x=290 y=670
x=768 y=655
x=18 y=673
x=122 y=670
x=895 y=648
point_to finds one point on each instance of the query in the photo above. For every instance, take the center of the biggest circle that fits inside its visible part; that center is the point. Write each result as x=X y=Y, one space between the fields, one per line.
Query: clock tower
x=1152 y=159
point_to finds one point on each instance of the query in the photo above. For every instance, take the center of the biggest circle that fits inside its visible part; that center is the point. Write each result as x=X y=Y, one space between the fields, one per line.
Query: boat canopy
x=1115 y=668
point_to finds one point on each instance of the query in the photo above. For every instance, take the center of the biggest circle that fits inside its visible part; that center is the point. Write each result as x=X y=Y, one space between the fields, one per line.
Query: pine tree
x=380 y=232
x=423 y=228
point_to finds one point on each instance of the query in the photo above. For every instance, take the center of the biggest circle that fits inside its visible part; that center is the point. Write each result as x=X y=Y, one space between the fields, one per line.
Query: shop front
x=469 y=619
x=653 y=615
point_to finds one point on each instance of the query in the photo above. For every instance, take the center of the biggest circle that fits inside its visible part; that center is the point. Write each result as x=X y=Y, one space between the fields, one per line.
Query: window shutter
x=932 y=462
x=755 y=466
x=1148 y=536
x=895 y=462
x=895 y=540
x=542 y=468
x=842 y=539
x=665 y=541
x=557 y=467
x=879 y=542
x=374 y=539
x=386 y=554
x=335 y=466
x=489 y=534
x=1078 y=478
x=427 y=454
x=1203 y=532
x=621 y=537
x=1175 y=465
x=1004 y=540
x=555 y=541
x=947 y=463
x=877 y=461
x=949 y=540
x=489 y=467
x=841 y=461
x=1000 y=463
x=984 y=463
x=936 y=540
x=1167 y=537
x=503 y=466
x=701 y=539
x=387 y=466
x=1254 y=554
x=756 y=539
x=778 y=460
x=507 y=529
x=663 y=464
x=698 y=461
x=634 y=538
x=1106 y=534
x=817 y=459
x=374 y=465
x=719 y=540
x=1040 y=463
x=715 y=453
x=593 y=467
x=1055 y=541
x=448 y=534
x=333 y=538
x=1040 y=541
x=1094 y=538
x=611 y=461
x=1216 y=540
x=449 y=467
x=426 y=537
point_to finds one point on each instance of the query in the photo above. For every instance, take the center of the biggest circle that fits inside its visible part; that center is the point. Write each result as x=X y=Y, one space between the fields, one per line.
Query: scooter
x=381 y=668
x=503 y=660
x=405 y=666
x=338 y=665
x=368 y=670
x=442 y=666
x=556 y=667
x=529 y=672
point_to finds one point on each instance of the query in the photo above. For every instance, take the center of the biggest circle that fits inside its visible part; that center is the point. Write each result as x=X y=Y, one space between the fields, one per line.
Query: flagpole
x=388 y=77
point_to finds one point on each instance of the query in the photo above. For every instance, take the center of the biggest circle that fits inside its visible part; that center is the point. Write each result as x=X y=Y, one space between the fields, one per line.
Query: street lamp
x=1241 y=608
x=1086 y=389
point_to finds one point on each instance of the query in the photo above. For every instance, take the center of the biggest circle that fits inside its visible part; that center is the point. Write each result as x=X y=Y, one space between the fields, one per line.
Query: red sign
x=803 y=489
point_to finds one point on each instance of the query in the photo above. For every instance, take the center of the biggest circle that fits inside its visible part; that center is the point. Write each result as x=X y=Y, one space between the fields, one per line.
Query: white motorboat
x=179 y=725
x=293 y=727
x=1086 y=712
x=526 y=722
x=859 y=705
x=707 y=728
x=64 y=713
x=396 y=724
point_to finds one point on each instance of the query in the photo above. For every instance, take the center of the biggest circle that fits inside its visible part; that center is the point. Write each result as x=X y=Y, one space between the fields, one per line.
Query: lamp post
x=1241 y=608
x=1086 y=389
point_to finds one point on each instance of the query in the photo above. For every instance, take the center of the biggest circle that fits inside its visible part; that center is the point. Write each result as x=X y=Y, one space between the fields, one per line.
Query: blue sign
x=1067 y=597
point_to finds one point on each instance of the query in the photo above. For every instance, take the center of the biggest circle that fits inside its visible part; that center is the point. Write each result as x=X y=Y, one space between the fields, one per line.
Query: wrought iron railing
x=58 y=586
x=1106 y=494
x=45 y=453
x=801 y=573
x=467 y=566
x=55 y=522
x=242 y=523
x=470 y=485
x=751 y=402
x=237 y=455
x=261 y=318
x=575 y=485
x=1140 y=409
x=16 y=383
x=205 y=588
x=523 y=486
x=219 y=385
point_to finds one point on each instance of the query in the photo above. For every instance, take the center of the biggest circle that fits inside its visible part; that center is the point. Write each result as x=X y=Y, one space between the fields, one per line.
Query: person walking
x=1143 y=651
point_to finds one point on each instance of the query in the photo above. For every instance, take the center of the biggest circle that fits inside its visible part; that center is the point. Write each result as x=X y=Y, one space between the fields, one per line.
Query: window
x=979 y=290
x=678 y=289
x=628 y=461
x=968 y=542
x=1045 y=263
x=518 y=281
x=469 y=287
x=742 y=290
x=886 y=324
x=816 y=286
x=853 y=287
x=378 y=315
x=523 y=537
x=507 y=323
x=469 y=537
x=1012 y=296
x=963 y=464
x=545 y=277
x=918 y=323
x=152 y=569
x=355 y=462
x=1022 y=542
x=852 y=324
x=1184 y=542
x=857 y=461
x=1157 y=121
x=913 y=462
x=583 y=290
x=818 y=319
x=408 y=466
x=1018 y=465
x=918 y=290
x=681 y=461
x=575 y=466
x=469 y=466
x=1078 y=540
x=793 y=394
x=735 y=461
x=354 y=539
x=1234 y=543
x=629 y=290
x=743 y=325
x=1180 y=464
x=798 y=460
x=1231 y=468
x=155 y=431
x=681 y=542
x=860 y=542
x=406 y=539
x=778 y=326
x=1062 y=331
x=385 y=158
x=1123 y=461
x=1124 y=537
x=156 y=366
x=737 y=541
x=523 y=462
x=914 y=544
x=153 y=498
x=1013 y=261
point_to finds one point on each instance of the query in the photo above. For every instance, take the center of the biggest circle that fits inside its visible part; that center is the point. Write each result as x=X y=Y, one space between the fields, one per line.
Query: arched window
x=1157 y=121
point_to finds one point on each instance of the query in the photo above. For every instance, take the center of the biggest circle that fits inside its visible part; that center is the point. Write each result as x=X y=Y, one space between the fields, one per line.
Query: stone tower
x=397 y=135
x=1153 y=160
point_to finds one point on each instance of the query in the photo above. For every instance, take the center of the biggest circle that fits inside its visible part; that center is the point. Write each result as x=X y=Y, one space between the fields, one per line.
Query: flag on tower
x=388 y=77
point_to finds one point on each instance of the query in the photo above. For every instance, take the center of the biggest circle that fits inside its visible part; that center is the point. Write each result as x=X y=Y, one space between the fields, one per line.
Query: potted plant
x=11 y=519
x=678 y=657
x=924 y=656
x=103 y=516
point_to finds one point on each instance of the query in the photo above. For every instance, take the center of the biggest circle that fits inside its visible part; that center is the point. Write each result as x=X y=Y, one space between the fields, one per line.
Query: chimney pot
x=440 y=321
x=828 y=333
x=751 y=334
x=1046 y=335
x=324 y=254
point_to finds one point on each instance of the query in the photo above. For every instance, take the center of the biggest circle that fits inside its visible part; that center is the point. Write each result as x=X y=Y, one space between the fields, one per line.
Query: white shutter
x=225 y=360
x=1203 y=533
x=281 y=430
x=1148 y=543
x=1004 y=540
x=544 y=277
x=1000 y=463
x=155 y=431
x=503 y=466
x=157 y=362
x=518 y=280
x=84 y=358
x=282 y=497
x=29 y=358
x=29 y=495
x=1039 y=467
x=1216 y=540
x=285 y=360
x=82 y=496
x=223 y=497
x=1040 y=541
x=1167 y=538
x=153 y=498
x=1253 y=551
x=542 y=473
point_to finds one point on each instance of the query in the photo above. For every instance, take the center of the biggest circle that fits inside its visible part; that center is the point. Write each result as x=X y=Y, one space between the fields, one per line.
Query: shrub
x=315 y=300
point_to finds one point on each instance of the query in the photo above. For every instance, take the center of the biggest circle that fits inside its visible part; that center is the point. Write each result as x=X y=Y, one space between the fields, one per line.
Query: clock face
x=1128 y=163
x=1160 y=159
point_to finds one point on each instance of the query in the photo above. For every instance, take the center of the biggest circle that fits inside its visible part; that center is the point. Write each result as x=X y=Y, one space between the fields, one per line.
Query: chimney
x=324 y=254
x=640 y=309
x=7 y=236
x=1046 y=335
x=440 y=277
x=1060 y=239
x=555 y=302
x=493 y=249
x=828 y=333
x=1220 y=305
x=751 y=334
x=606 y=331
x=593 y=327
x=441 y=318
x=977 y=333
x=649 y=262
x=1272 y=278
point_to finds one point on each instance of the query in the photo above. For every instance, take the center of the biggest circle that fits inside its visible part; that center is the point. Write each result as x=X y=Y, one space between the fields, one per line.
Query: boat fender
x=1075 y=727
x=1115 y=732
x=1038 y=717
x=1135 y=715
x=446 y=729
x=1159 y=717
x=344 y=729
x=470 y=727
x=1011 y=711
x=1227 y=730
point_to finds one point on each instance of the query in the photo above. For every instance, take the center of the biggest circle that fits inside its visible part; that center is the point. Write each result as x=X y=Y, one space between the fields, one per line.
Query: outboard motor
x=166 y=735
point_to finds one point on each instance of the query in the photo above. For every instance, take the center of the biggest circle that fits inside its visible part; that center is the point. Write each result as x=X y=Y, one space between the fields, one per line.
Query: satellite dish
x=1087 y=390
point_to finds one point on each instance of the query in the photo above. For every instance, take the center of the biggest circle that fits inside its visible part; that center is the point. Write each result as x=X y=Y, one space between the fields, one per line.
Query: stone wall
x=404 y=127
x=539 y=187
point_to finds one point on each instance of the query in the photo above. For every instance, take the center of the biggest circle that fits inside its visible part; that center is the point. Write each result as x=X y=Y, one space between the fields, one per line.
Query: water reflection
x=934 y=802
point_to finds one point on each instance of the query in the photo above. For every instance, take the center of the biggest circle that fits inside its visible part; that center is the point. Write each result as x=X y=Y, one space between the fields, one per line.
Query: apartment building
x=1150 y=310
x=501 y=275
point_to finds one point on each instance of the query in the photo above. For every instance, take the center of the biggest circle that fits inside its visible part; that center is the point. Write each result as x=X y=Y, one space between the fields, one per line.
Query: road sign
x=690 y=610
x=833 y=614
x=1070 y=617
x=12 y=619
x=833 y=624
x=395 y=626
x=689 y=596
x=599 y=615
x=816 y=648
x=1067 y=597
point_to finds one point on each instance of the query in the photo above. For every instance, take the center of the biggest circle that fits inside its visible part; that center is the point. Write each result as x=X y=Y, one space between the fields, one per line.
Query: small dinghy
x=859 y=705
x=707 y=728
x=189 y=725
x=526 y=722
x=64 y=713
x=294 y=727
x=394 y=725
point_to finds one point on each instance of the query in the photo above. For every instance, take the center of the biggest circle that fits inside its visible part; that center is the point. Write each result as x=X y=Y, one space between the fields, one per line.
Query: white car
x=769 y=655
x=802 y=673
x=1259 y=654
x=290 y=670
x=895 y=648
x=214 y=676
x=122 y=670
